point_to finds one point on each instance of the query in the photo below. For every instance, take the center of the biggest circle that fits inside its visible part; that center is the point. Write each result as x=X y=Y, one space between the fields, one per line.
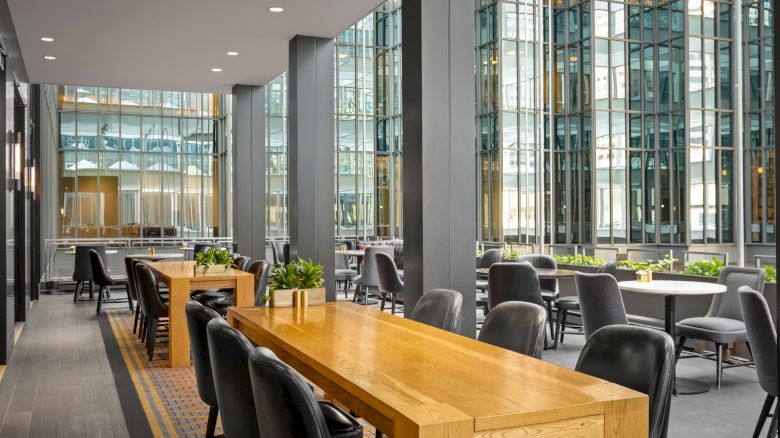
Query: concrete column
x=311 y=154
x=438 y=168
x=249 y=170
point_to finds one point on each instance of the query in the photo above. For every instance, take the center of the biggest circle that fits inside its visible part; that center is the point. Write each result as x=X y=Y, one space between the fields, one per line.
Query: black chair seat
x=568 y=303
x=343 y=274
x=339 y=423
x=548 y=295
x=711 y=328
x=482 y=299
x=482 y=283
x=211 y=295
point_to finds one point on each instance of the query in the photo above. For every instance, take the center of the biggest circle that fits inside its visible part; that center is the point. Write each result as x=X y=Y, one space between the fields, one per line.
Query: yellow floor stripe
x=137 y=371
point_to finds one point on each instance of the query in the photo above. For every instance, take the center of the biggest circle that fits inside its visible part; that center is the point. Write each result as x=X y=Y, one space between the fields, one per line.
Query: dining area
x=558 y=351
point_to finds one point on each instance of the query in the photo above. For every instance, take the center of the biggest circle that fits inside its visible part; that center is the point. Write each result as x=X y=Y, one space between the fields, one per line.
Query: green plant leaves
x=298 y=274
x=708 y=268
x=214 y=256
x=579 y=260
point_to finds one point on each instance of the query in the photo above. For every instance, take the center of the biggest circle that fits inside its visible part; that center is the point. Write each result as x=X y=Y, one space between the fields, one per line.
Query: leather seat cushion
x=344 y=274
x=204 y=296
x=568 y=303
x=482 y=283
x=709 y=328
x=339 y=423
x=548 y=295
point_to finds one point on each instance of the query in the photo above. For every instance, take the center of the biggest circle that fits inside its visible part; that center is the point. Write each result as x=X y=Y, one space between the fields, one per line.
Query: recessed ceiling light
x=47 y=39
x=216 y=70
x=276 y=9
x=232 y=53
x=49 y=58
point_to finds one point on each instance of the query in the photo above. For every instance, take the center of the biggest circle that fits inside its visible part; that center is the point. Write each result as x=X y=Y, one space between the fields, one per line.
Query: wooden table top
x=395 y=365
x=168 y=270
x=156 y=257
x=542 y=273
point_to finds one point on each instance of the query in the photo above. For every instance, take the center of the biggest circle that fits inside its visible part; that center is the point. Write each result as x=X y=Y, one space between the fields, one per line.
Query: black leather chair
x=132 y=289
x=241 y=263
x=390 y=282
x=368 y=280
x=639 y=358
x=198 y=317
x=571 y=304
x=155 y=309
x=487 y=260
x=509 y=281
x=103 y=279
x=439 y=308
x=229 y=355
x=723 y=324
x=281 y=252
x=601 y=302
x=344 y=273
x=516 y=326
x=550 y=286
x=260 y=270
x=285 y=404
x=763 y=338
x=200 y=247
x=82 y=268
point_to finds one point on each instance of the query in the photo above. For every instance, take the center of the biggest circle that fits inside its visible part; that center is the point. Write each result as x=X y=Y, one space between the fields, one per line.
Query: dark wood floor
x=58 y=382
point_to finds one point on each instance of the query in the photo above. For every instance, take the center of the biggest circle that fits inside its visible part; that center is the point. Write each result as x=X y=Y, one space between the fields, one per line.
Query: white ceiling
x=171 y=44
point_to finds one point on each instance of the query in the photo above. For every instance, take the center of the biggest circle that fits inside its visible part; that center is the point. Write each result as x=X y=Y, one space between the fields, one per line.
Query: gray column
x=438 y=163
x=311 y=156
x=249 y=170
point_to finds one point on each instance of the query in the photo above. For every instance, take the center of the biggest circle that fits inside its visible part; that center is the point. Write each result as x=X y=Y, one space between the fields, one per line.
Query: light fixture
x=216 y=69
x=276 y=9
x=47 y=39
x=724 y=172
x=760 y=170
x=49 y=58
x=231 y=53
x=343 y=56
x=18 y=156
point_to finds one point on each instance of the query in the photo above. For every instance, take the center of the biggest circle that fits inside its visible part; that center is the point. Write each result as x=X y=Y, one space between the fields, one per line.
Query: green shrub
x=579 y=260
x=771 y=274
x=214 y=256
x=663 y=265
x=708 y=268
x=298 y=273
x=511 y=255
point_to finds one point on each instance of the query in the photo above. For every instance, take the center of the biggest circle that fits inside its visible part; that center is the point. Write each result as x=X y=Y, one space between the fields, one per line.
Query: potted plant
x=213 y=261
x=297 y=276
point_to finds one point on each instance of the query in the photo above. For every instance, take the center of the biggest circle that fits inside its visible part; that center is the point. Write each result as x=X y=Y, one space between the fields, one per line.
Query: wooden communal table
x=542 y=273
x=178 y=275
x=412 y=380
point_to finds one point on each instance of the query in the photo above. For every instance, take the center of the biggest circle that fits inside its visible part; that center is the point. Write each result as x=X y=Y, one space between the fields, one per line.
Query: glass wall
x=138 y=163
x=276 y=157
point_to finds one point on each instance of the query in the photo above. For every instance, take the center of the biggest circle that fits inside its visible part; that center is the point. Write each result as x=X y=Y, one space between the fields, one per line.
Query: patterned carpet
x=168 y=397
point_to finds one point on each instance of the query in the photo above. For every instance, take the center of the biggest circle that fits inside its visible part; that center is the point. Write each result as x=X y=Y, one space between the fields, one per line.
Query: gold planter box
x=213 y=270
x=287 y=298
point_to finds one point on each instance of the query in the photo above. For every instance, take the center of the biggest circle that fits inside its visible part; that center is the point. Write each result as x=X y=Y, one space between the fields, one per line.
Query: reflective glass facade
x=139 y=163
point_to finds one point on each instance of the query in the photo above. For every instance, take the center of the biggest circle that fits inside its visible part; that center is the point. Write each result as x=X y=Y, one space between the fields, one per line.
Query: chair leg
x=77 y=292
x=764 y=413
x=772 y=433
x=91 y=296
x=354 y=297
x=129 y=300
x=719 y=354
x=152 y=337
x=382 y=306
x=549 y=317
x=558 y=322
x=563 y=323
x=135 y=319
x=392 y=304
x=212 y=422
x=100 y=299
x=679 y=349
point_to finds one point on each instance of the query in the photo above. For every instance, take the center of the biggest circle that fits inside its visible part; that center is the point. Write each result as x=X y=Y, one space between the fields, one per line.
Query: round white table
x=156 y=257
x=670 y=290
x=73 y=252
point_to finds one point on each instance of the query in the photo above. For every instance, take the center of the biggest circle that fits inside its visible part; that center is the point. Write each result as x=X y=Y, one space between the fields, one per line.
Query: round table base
x=371 y=301
x=690 y=386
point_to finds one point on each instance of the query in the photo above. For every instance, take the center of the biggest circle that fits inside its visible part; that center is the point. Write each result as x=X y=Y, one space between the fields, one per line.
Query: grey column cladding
x=311 y=155
x=438 y=163
x=249 y=170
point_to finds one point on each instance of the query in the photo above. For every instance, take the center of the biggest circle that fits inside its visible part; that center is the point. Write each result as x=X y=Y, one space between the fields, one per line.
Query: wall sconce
x=31 y=180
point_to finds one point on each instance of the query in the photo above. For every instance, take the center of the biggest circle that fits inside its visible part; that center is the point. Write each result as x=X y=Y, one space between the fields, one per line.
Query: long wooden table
x=180 y=278
x=412 y=380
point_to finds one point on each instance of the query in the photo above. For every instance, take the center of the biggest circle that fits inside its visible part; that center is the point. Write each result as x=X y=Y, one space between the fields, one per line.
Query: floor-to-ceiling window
x=276 y=157
x=138 y=163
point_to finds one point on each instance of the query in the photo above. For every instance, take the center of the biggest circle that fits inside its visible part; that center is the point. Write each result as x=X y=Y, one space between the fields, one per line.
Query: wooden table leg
x=244 y=293
x=178 y=338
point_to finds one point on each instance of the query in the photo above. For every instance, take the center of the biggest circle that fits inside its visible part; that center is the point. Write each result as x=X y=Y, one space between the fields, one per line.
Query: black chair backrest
x=277 y=249
x=636 y=357
x=138 y=296
x=99 y=274
x=198 y=317
x=491 y=256
x=82 y=269
x=389 y=280
x=229 y=351
x=542 y=261
x=439 y=308
x=610 y=267
x=601 y=303
x=260 y=269
x=200 y=247
x=241 y=263
x=369 y=276
x=151 y=302
x=286 y=253
x=341 y=261
x=509 y=281
x=762 y=337
x=285 y=405
x=131 y=278
x=516 y=326
x=726 y=305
